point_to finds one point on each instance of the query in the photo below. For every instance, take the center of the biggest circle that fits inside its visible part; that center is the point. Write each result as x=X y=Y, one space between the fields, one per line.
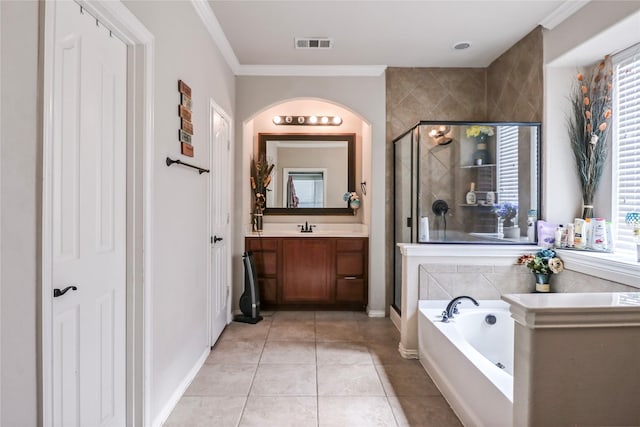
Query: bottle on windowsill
x=471 y=195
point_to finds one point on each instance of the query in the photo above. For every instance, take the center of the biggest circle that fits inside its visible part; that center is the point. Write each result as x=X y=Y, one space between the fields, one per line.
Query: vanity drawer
x=350 y=244
x=350 y=264
x=261 y=244
x=350 y=290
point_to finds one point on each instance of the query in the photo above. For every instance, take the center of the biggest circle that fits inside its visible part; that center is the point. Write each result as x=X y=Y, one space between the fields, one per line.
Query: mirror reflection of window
x=304 y=188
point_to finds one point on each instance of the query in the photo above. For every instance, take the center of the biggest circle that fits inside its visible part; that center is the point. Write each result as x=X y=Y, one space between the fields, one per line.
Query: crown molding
x=312 y=70
x=203 y=9
x=562 y=12
x=215 y=31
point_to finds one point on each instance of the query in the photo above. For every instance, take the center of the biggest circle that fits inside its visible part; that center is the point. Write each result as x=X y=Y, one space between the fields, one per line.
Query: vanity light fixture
x=307 y=120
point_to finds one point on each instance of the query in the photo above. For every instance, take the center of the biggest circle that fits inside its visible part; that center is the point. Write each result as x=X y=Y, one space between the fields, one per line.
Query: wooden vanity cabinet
x=351 y=270
x=311 y=272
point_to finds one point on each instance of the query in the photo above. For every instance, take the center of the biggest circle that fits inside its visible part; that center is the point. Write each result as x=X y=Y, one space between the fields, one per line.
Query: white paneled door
x=220 y=228
x=87 y=182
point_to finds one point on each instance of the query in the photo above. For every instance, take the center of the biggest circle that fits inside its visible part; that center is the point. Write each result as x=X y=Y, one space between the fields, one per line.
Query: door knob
x=58 y=293
x=216 y=239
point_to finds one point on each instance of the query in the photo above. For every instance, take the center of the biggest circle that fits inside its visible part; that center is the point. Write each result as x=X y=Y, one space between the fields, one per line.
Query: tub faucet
x=452 y=307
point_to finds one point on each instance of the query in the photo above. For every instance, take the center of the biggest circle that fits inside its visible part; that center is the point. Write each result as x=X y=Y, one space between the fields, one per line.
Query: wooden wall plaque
x=187 y=149
x=184 y=88
x=184 y=113
x=186 y=126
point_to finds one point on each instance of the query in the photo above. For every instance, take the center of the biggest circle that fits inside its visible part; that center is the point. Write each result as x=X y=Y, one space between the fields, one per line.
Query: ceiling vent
x=314 y=43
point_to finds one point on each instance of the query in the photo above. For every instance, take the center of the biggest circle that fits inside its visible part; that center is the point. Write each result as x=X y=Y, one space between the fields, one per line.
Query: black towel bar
x=170 y=161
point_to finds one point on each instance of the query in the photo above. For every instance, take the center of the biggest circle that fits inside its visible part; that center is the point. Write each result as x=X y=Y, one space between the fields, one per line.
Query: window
x=304 y=188
x=508 y=164
x=626 y=140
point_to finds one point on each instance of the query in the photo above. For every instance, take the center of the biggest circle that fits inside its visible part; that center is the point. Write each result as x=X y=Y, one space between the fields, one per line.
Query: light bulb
x=324 y=120
x=277 y=119
x=337 y=120
x=288 y=119
x=313 y=120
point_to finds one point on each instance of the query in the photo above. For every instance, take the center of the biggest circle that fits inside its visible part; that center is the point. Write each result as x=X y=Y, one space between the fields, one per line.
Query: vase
x=355 y=205
x=542 y=282
x=481 y=155
x=512 y=232
x=587 y=210
x=500 y=228
x=257 y=221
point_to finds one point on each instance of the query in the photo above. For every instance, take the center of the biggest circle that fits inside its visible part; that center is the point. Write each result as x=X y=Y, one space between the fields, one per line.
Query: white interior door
x=220 y=228
x=87 y=182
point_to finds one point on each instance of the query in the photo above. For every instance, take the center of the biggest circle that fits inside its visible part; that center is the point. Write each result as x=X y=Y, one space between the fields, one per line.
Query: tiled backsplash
x=445 y=281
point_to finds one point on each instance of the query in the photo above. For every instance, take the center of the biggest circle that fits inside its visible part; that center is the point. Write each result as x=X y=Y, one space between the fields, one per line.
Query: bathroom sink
x=320 y=230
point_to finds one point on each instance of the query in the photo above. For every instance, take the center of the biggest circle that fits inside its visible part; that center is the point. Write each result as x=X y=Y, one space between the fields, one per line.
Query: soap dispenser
x=471 y=195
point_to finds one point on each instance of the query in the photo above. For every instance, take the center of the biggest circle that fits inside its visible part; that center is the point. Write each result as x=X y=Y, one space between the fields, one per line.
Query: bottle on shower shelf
x=471 y=195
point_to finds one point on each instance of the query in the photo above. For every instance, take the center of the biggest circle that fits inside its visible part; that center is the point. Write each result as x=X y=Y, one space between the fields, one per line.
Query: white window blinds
x=508 y=164
x=626 y=143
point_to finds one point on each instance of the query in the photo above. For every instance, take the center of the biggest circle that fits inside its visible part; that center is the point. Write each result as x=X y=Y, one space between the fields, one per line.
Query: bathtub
x=470 y=361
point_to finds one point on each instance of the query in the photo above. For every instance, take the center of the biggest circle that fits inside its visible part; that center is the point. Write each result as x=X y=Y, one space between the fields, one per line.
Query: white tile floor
x=311 y=369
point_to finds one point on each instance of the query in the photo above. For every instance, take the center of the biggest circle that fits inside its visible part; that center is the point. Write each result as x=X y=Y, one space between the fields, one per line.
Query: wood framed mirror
x=312 y=172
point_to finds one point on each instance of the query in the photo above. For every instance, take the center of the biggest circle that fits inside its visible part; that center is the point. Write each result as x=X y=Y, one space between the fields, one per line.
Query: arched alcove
x=262 y=122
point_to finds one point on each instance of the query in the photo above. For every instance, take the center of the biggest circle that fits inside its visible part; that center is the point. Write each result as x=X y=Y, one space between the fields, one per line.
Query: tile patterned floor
x=311 y=369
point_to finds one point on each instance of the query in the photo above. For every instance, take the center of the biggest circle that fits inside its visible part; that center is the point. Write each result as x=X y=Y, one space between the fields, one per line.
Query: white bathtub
x=462 y=356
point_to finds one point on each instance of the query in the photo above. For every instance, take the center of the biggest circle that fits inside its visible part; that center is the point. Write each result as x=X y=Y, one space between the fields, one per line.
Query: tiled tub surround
x=487 y=272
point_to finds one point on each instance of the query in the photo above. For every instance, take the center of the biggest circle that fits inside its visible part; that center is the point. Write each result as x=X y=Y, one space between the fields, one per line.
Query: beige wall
x=180 y=255
x=20 y=191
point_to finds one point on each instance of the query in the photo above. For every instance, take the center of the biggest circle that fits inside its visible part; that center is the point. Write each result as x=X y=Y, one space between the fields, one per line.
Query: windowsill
x=617 y=267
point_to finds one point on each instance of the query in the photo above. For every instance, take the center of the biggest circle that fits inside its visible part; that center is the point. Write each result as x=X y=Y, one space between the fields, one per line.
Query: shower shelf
x=478 y=166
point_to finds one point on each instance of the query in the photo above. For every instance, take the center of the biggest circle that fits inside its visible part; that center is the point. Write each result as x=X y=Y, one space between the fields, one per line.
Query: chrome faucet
x=306 y=228
x=452 y=307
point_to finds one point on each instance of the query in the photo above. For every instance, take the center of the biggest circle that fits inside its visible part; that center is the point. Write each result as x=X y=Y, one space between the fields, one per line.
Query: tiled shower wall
x=510 y=89
x=445 y=281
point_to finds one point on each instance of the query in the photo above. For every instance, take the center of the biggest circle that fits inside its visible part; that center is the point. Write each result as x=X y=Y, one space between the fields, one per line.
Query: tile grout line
x=244 y=407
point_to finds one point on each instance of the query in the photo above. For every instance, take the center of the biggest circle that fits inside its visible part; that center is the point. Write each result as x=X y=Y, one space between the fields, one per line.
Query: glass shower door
x=404 y=220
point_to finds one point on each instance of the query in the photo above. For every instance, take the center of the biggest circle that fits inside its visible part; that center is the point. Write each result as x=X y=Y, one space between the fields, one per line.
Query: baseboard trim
x=407 y=353
x=376 y=313
x=182 y=387
x=395 y=318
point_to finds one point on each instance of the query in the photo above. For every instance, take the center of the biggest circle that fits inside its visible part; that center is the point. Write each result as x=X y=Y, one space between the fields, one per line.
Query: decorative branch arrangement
x=260 y=180
x=589 y=126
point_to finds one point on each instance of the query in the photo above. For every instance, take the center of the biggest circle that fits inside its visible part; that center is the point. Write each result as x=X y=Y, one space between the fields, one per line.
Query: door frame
x=214 y=107
x=139 y=217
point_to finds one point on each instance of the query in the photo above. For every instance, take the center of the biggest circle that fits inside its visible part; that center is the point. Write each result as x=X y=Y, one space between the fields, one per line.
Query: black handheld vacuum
x=250 y=298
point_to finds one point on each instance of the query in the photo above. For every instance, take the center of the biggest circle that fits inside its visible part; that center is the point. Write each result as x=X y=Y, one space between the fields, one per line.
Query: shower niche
x=437 y=163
